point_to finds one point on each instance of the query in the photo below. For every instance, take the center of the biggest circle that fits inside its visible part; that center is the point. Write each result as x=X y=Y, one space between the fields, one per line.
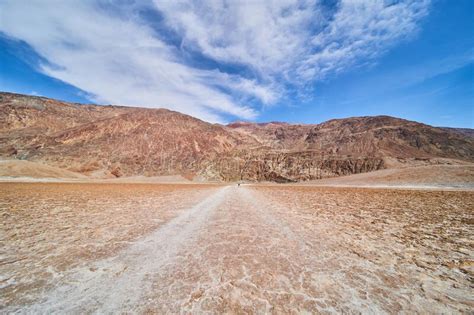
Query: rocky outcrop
x=290 y=167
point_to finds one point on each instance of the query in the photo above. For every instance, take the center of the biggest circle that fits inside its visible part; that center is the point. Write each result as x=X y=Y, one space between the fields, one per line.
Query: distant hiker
x=238 y=184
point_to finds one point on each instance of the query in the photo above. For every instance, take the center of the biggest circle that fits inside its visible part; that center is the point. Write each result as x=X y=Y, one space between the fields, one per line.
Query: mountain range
x=104 y=141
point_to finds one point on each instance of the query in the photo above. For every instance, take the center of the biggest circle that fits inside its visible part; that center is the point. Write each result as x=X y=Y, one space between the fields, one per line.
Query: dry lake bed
x=171 y=248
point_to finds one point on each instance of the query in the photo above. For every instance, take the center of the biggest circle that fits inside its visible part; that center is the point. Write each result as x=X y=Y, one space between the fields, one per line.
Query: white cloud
x=266 y=35
x=294 y=40
x=360 y=29
x=121 y=59
x=116 y=60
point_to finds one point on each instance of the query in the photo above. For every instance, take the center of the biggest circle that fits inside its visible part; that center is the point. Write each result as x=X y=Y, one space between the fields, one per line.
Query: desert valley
x=109 y=209
x=237 y=157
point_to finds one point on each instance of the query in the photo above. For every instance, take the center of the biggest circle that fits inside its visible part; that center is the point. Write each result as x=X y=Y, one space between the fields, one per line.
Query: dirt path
x=245 y=260
x=243 y=251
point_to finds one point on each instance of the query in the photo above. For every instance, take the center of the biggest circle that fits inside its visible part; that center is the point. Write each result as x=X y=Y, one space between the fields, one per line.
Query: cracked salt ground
x=116 y=284
x=277 y=249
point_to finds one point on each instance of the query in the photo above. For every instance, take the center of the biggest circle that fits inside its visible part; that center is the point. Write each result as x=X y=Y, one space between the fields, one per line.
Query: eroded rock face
x=291 y=167
x=124 y=141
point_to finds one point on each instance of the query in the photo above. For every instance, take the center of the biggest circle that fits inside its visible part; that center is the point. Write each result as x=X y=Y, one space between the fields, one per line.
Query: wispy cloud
x=360 y=30
x=256 y=48
x=293 y=40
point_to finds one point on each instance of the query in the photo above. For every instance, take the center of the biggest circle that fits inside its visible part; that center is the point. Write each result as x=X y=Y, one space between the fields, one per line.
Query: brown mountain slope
x=124 y=141
x=462 y=131
x=378 y=136
x=26 y=120
x=141 y=142
x=353 y=145
x=103 y=140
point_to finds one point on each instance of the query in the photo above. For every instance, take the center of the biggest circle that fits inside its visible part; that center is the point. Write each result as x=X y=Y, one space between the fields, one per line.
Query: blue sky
x=296 y=61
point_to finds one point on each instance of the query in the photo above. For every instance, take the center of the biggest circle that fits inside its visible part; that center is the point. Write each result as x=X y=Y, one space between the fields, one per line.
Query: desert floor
x=138 y=248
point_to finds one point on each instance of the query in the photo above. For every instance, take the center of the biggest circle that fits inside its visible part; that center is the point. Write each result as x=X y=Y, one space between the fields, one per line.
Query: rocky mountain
x=114 y=141
x=462 y=131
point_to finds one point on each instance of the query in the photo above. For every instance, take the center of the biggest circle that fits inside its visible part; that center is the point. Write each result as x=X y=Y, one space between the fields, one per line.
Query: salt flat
x=170 y=248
